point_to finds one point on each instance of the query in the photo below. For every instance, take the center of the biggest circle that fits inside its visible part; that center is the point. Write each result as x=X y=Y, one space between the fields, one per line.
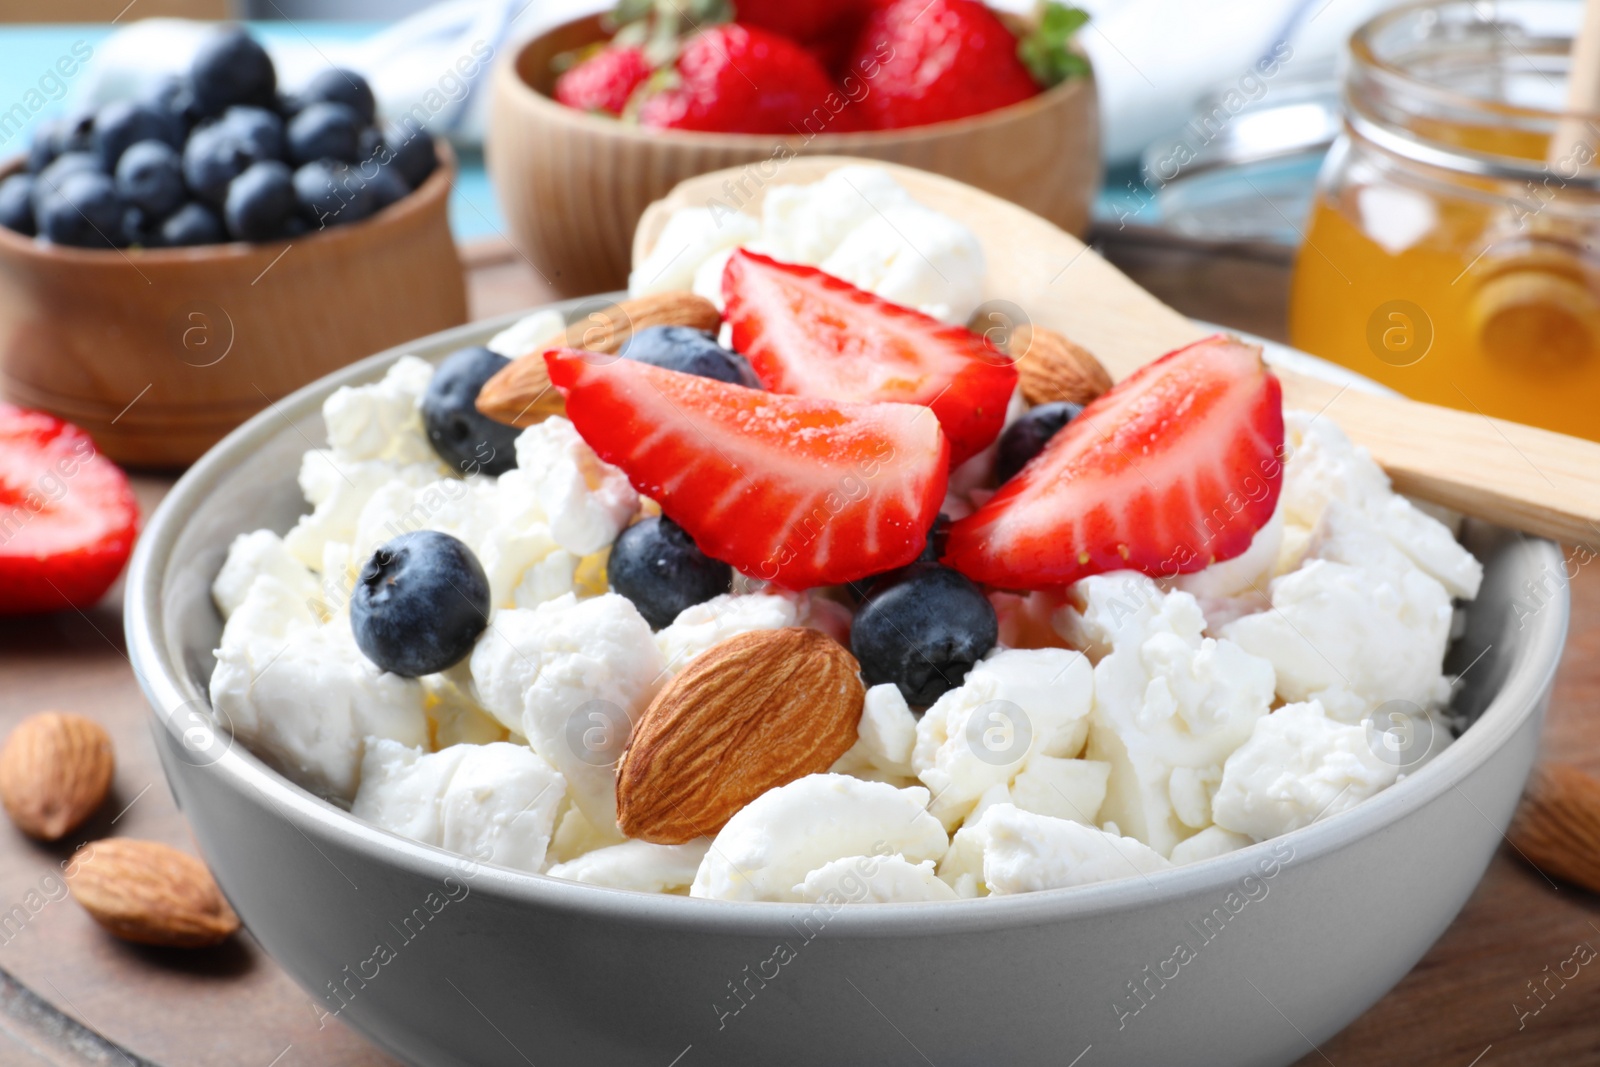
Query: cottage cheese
x=637 y=865
x=1299 y=766
x=771 y=845
x=496 y=802
x=571 y=676
x=527 y=335
x=690 y=237
x=1012 y=705
x=252 y=555
x=700 y=626
x=873 y=880
x=884 y=739
x=1024 y=852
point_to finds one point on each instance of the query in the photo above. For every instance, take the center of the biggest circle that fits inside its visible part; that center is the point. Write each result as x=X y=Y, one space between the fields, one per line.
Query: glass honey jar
x=1446 y=255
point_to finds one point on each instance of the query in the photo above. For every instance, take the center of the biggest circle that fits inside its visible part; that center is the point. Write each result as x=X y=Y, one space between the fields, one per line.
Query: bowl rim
x=510 y=84
x=165 y=686
x=435 y=188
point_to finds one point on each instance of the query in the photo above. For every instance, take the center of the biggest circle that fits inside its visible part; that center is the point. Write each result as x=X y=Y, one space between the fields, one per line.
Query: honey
x=1443 y=257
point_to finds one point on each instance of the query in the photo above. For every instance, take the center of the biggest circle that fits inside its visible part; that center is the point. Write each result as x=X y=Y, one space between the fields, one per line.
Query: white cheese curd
x=1015 y=703
x=303 y=697
x=873 y=880
x=496 y=803
x=586 y=501
x=1024 y=853
x=637 y=865
x=553 y=576
x=691 y=235
x=1242 y=575
x=770 y=845
x=708 y=283
x=917 y=257
x=806 y=223
x=702 y=625
x=1209 y=843
x=454 y=717
x=1299 y=766
x=571 y=676
x=1165 y=698
x=1324 y=465
x=962 y=866
x=529 y=334
x=1072 y=789
x=337 y=490
x=576 y=835
x=1353 y=636
x=382 y=420
x=884 y=739
x=261 y=553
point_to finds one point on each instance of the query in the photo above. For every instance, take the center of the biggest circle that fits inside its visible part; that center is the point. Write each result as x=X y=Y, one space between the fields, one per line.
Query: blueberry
x=231 y=68
x=330 y=193
x=150 y=178
x=192 y=224
x=325 y=131
x=16 y=204
x=387 y=187
x=923 y=629
x=260 y=129
x=75 y=133
x=657 y=565
x=288 y=105
x=45 y=145
x=122 y=123
x=215 y=155
x=464 y=437
x=260 y=202
x=140 y=229
x=1027 y=437
x=49 y=181
x=337 y=86
x=412 y=153
x=691 y=351
x=370 y=143
x=420 y=603
x=84 y=211
x=932 y=549
x=172 y=96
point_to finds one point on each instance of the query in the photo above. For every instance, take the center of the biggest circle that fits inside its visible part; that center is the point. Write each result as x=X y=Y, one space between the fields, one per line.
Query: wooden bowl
x=572 y=185
x=158 y=353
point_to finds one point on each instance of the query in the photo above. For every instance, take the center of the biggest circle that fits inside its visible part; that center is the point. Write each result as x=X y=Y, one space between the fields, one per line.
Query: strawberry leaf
x=1047 y=52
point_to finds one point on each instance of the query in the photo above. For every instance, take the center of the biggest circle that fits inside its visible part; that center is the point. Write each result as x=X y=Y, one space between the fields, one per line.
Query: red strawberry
x=800 y=491
x=932 y=61
x=604 y=81
x=812 y=334
x=1176 y=467
x=809 y=22
x=738 y=79
x=67 y=515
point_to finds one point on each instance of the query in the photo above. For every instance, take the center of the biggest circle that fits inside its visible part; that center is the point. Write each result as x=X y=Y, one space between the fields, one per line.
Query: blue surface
x=27 y=52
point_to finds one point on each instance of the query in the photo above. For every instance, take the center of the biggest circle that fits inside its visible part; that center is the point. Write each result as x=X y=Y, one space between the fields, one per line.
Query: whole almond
x=747 y=715
x=55 y=770
x=147 y=892
x=521 y=394
x=1050 y=367
x=1557 y=829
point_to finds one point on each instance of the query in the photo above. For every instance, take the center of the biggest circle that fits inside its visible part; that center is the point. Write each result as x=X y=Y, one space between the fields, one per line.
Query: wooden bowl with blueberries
x=171 y=265
x=596 y=119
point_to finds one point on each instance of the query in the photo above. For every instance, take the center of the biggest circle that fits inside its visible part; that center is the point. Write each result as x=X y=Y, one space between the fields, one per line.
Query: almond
x=147 y=892
x=521 y=394
x=1557 y=829
x=55 y=770
x=747 y=715
x=1050 y=367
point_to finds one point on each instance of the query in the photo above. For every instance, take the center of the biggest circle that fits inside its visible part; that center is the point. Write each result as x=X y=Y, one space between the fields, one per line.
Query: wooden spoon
x=1507 y=473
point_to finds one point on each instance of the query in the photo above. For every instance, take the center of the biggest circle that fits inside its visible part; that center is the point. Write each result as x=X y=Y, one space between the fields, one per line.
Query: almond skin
x=1557 y=829
x=147 y=892
x=751 y=713
x=55 y=770
x=1051 y=368
x=521 y=394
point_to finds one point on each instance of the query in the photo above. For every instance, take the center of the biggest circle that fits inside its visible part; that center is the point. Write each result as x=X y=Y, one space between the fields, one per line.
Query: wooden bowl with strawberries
x=656 y=104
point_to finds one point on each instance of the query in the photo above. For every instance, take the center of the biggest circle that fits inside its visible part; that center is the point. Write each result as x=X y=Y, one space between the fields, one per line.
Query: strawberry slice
x=1176 y=467
x=799 y=491
x=809 y=333
x=67 y=515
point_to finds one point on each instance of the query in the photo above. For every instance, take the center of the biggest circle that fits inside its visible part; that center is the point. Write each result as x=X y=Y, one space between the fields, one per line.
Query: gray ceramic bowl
x=442 y=962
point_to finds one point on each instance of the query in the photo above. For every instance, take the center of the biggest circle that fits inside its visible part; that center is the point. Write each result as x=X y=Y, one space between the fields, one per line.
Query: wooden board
x=233 y=1007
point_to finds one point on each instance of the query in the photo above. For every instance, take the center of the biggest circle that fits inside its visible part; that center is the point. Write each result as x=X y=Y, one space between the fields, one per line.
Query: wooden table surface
x=71 y=996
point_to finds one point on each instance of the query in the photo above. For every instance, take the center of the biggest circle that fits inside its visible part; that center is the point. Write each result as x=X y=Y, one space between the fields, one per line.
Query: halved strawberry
x=799 y=491
x=809 y=333
x=1176 y=467
x=67 y=515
